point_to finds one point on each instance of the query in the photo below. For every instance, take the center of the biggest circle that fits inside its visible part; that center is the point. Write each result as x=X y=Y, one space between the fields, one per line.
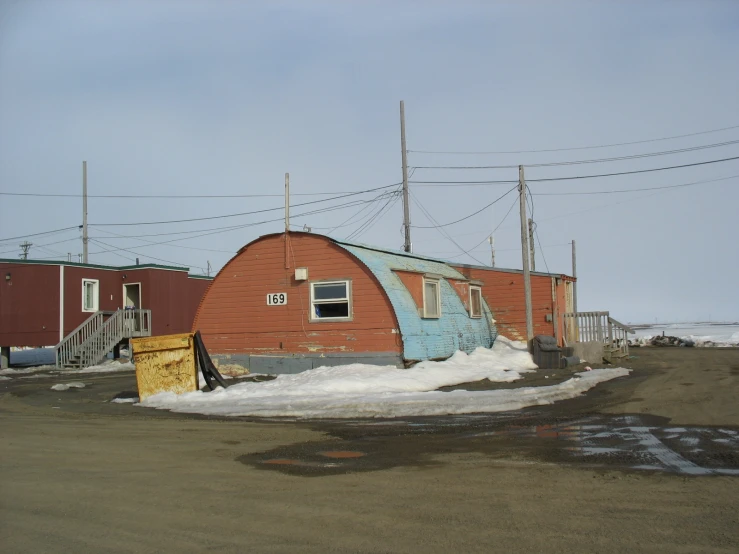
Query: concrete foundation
x=298 y=363
x=588 y=351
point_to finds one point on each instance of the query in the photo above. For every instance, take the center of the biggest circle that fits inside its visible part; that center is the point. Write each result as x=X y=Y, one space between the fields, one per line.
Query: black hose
x=209 y=371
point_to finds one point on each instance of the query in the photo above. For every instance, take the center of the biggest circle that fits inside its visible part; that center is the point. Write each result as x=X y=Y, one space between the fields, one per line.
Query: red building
x=43 y=302
x=290 y=302
x=503 y=290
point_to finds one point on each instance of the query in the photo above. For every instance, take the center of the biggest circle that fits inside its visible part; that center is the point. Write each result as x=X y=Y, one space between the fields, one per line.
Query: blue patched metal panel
x=425 y=339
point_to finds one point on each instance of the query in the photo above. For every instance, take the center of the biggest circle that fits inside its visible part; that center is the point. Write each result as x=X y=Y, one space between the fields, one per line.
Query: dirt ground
x=633 y=465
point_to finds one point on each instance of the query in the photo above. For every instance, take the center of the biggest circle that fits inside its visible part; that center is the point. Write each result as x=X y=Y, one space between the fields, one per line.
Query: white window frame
x=96 y=295
x=348 y=300
x=472 y=313
x=437 y=283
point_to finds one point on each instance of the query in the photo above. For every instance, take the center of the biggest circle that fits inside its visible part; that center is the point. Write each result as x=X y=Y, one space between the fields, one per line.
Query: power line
x=145 y=255
x=635 y=190
x=441 y=230
x=541 y=249
x=515 y=201
x=530 y=200
x=39 y=234
x=468 y=216
x=254 y=224
x=176 y=196
x=578 y=147
x=577 y=162
x=373 y=219
x=150 y=243
x=575 y=177
x=242 y=213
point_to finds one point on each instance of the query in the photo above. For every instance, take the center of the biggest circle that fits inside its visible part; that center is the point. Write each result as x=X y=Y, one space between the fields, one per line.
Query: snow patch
x=361 y=390
x=106 y=367
x=74 y=385
x=124 y=400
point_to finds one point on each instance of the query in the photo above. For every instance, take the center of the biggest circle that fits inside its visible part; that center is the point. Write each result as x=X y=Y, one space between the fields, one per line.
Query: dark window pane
x=340 y=309
x=476 y=303
x=329 y=291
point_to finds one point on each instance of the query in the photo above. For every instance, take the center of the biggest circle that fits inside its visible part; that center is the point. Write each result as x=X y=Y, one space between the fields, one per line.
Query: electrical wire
x=515 y=201
x=468 y=216
x=578 y=162
x=150 y=243
x=635 y=190
x=39 y=234
x=145 y=255
x=242 y=213
x=171 y=196
x=253 y=224
x=441 y=230
x=541 y=250
x=578 y=147
x=370 y=222
x=576 y=176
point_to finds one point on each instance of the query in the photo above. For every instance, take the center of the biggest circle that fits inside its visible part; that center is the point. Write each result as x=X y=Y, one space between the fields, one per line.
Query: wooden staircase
x=598 y=327
x=91 y=342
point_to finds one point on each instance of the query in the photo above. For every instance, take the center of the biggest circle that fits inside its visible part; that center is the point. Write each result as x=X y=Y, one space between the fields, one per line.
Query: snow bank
x=699 y=335
x=74 y=385
x=236 y=401
x=359 y=390
x=106 y=367
x=16 y=372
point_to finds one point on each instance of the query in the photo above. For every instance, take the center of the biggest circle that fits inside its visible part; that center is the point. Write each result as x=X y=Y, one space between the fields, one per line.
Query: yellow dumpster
x=165 y=364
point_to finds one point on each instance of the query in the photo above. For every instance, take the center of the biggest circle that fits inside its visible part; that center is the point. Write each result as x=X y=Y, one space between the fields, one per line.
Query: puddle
x=630 y=442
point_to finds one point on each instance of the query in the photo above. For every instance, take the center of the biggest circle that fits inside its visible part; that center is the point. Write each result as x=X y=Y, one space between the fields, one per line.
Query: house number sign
x=276 y=299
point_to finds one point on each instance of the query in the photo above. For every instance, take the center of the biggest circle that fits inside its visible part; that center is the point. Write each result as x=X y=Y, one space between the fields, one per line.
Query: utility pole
x=531 y=244
x=491 y=240
x=407 y=246
x=84 y=212
x=287 y=202
x=574 y=274
x=26 y=246
x=208 y=273
x=525 y=257
x=287 y=221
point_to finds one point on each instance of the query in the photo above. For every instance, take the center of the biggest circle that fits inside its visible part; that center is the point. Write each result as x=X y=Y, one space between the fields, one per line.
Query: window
x=330 y=300
x=475 y=301
x=431 y=298
x=90 y=295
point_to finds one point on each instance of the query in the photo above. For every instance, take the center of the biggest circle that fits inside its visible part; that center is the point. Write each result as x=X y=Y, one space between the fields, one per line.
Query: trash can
x=547 y=355
x=165 y=364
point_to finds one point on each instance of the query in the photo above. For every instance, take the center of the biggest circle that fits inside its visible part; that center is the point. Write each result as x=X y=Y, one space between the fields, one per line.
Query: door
x=132 y=296
x=132 y=301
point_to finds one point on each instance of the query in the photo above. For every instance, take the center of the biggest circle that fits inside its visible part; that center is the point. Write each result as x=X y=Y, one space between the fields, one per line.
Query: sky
x=194 y=98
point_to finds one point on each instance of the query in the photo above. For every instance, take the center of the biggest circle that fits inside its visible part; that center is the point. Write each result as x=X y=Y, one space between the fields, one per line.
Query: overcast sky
x=222 y=98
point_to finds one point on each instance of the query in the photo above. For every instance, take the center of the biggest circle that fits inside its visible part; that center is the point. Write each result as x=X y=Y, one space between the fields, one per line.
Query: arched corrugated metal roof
x=426 y=338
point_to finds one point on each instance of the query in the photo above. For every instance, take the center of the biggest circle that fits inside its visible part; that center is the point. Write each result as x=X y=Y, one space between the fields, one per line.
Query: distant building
x=290 y=302
x=42 y=303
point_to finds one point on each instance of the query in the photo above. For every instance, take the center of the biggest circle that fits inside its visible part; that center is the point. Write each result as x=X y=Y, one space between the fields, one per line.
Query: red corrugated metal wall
x=110 y=293
x=172 y=296
x=503 y=291
x=29 y=300
x=29 y=305
x=234 y=317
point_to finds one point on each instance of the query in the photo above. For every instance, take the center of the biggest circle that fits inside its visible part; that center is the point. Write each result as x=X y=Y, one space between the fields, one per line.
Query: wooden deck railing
x=91 y=341
x=597 y=327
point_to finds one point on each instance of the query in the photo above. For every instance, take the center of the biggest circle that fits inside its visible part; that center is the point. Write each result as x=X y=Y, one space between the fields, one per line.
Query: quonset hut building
x=289 y=302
